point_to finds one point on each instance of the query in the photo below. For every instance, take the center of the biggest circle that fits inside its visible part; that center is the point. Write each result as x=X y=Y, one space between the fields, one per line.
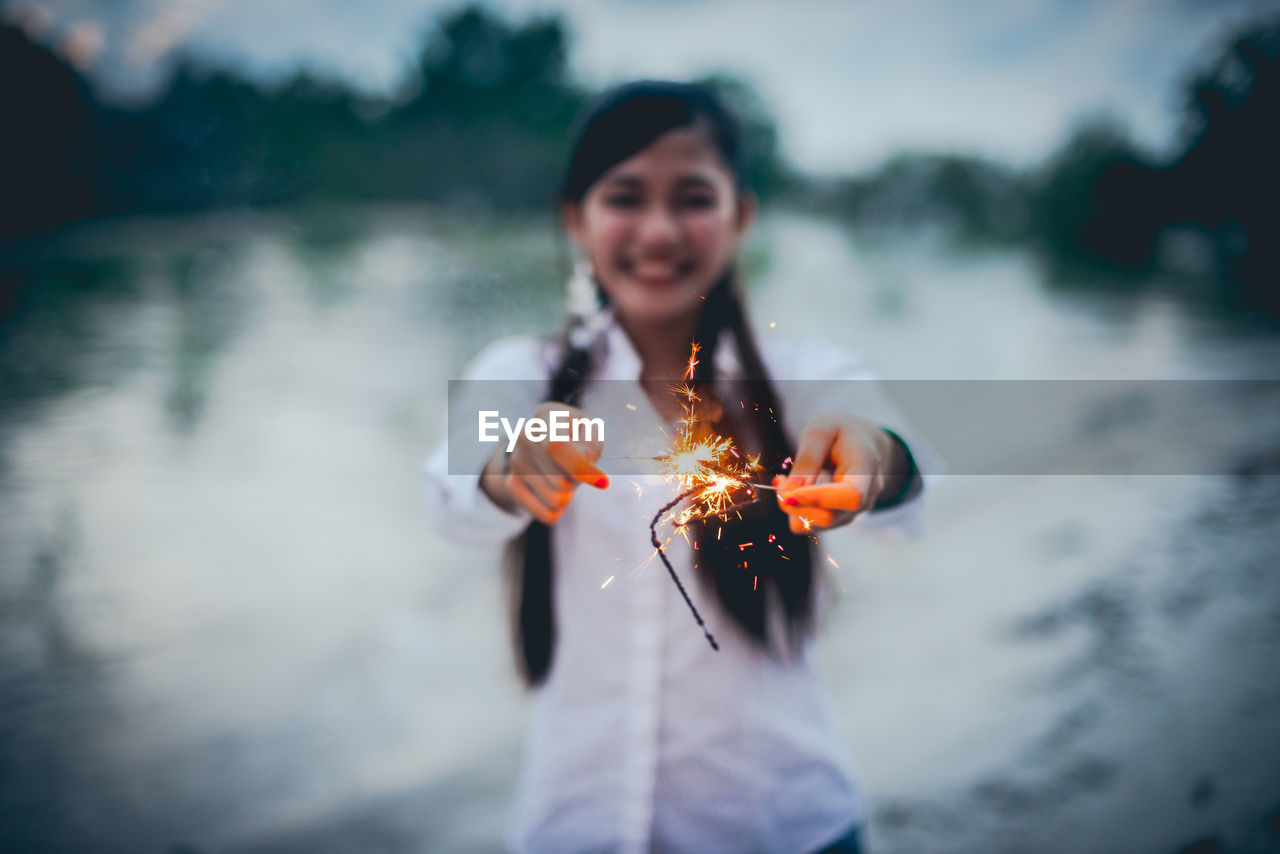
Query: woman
x=643 y=736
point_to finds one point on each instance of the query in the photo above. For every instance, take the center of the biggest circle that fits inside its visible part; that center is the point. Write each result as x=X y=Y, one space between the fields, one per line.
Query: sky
x=851 y=83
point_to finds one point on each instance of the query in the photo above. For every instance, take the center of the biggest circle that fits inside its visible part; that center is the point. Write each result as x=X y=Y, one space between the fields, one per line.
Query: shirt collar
x=620 y=359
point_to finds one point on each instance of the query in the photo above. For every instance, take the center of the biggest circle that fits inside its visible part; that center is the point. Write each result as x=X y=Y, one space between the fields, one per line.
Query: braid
x=530 y=564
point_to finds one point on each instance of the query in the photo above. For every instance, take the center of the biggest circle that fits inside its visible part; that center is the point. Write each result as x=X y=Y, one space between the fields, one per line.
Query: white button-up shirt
x=642 y=737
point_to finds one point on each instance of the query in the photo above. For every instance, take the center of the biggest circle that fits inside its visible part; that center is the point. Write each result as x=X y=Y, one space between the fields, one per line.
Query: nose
x=657 y=227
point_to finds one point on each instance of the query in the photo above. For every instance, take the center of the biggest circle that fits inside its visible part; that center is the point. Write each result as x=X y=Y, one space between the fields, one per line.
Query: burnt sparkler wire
x=653 y=536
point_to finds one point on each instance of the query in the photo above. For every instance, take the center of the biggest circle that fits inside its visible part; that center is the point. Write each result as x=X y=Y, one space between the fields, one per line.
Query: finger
x=812 y=451
x=783 y=483
x=818 y=517
x=810 y=520
x=577 y=464
x=842 y=518
x=550 y=492
x=553 y=490
x=814 y=515
x=845 y=494
x=539 y=463
x=530 y=501
x=849 y=455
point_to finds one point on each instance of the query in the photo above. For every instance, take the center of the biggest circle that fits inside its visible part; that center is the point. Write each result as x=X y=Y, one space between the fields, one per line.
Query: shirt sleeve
x=461 y=511
x=837 y=381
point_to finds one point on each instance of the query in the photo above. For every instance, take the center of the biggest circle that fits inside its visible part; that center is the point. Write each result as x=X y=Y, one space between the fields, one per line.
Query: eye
x=622 y=200
x=699 y=201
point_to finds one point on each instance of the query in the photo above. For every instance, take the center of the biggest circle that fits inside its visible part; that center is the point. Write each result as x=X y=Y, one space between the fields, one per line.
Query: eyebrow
x=697 y=181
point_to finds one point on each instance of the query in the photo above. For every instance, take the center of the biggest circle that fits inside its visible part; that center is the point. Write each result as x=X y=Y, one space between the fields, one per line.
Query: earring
x=583 y=303
x=580 y=296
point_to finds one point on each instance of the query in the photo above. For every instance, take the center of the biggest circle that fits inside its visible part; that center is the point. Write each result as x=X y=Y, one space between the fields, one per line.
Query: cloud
x=34 y=20
x=82 y=44
x=171 y=25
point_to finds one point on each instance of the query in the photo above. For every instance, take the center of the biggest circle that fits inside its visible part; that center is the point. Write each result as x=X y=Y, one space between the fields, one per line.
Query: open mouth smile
x=658 y=275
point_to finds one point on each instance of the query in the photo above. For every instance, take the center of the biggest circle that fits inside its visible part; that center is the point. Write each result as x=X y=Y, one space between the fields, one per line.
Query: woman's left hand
x=838 y=472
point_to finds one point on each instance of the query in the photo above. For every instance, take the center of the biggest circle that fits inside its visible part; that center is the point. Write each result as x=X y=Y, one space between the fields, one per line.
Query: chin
x=649 y=310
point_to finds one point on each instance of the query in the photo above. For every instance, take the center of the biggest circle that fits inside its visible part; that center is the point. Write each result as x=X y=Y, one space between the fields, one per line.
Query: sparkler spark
x=704 y=464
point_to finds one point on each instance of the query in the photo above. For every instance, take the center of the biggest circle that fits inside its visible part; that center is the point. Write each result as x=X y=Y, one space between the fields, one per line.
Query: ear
x=571 y=216
x=745 y=214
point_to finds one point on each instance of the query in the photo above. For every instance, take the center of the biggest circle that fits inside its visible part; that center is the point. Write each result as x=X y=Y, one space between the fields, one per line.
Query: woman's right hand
x=541 y=477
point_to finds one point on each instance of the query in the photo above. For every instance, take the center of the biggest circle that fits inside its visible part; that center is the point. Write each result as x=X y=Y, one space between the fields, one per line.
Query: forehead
x=679 y=153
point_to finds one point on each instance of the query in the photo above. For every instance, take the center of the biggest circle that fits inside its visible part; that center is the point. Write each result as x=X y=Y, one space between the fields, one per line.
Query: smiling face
x=661 y=227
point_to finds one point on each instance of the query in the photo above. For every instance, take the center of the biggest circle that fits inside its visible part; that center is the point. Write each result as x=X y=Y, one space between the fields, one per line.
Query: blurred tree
x=487 y=113
x=201 y=142
x=483 y=118
x=1098 y=199
x=972 y=198
x=48 y=152
x=1227 y=180
x=315 y=145
x=474 y=64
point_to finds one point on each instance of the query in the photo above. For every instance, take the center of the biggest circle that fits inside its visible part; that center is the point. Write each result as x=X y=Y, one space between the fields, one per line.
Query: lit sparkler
x=710 y=470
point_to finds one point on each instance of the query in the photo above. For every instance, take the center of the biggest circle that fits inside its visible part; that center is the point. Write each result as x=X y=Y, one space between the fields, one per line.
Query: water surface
x=228 y=625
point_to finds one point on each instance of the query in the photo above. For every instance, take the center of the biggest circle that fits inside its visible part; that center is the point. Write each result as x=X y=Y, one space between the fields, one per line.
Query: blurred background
x=243 y=246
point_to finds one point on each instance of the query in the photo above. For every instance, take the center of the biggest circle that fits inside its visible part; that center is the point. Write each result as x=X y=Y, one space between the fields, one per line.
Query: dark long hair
x=619 y=124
